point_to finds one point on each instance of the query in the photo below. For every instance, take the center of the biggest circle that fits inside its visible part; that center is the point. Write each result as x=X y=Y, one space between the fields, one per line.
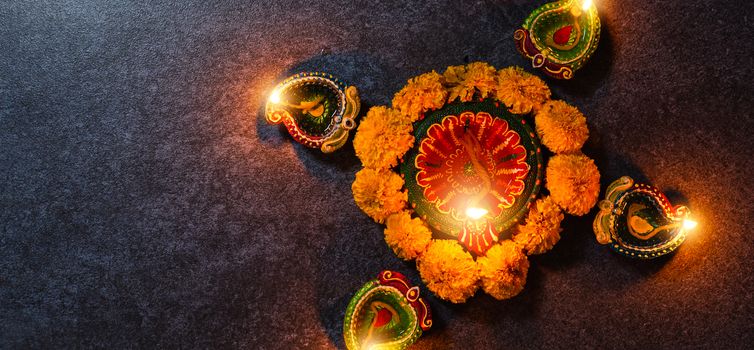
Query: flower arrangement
x=451 y=269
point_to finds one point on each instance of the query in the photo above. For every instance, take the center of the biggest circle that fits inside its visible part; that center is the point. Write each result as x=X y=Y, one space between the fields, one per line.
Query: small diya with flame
x=386 y=313
x=559 y=37
x=317 y=109
x=638 y=221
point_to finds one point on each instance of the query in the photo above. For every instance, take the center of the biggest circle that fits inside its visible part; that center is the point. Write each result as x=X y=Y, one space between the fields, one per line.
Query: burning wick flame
x=476 y=213
x=586 y=4
x=275 y=97
x=689 y=224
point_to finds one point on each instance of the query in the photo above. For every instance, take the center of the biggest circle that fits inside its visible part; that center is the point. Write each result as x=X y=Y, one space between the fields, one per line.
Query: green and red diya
x=473 y=171
x=317 y=109
x=386 y=313
x=559 y=37
x=638 y=221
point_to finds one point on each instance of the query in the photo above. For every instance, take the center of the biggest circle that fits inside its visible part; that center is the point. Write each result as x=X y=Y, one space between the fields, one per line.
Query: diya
x=317 y=109
x=454 y=170
x=473 y=172
x=638 y=221
x=386 y=313
x=559 y=37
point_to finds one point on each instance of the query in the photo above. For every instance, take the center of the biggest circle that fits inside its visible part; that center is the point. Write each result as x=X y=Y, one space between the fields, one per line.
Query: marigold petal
x=406 y=236
x=503 y=270
x=561 y=127
x=378 y=193
x=542 y=228
x=520 y=91
x=574 y=182
x=448 y=271
x=383 y=137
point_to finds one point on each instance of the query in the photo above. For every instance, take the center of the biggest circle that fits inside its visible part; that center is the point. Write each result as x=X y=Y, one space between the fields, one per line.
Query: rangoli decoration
x=638 y=221
x=559 y=37
x=455 y=168
x=386 y=313
x=317 y=109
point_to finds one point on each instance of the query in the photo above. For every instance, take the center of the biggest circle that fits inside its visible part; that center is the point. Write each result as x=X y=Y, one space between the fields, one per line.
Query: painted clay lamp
x=317 y=109
x=474 y=170
x=559 y=37
x=638 y=221
x=386 y=313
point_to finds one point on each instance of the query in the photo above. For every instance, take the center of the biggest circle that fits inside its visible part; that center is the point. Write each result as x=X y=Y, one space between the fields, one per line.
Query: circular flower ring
x=455 y=157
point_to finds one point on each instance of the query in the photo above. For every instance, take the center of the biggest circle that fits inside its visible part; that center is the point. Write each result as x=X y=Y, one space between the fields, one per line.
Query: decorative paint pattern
x=638 y=221
x=386 y=313
x=316 y=108
x=473 y=172
x=559 y=37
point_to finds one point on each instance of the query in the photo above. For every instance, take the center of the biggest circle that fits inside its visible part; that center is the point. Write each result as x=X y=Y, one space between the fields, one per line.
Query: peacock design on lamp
x=638 y=221
x=316 y=108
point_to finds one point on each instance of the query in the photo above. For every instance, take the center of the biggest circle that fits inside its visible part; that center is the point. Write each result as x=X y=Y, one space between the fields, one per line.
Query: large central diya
x=473 y=171
x=466 y=204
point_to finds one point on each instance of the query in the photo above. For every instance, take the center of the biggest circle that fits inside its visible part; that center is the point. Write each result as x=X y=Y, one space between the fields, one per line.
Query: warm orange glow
x=275 y=97
x=689 y=224
x=586 y=4
x=476 y=213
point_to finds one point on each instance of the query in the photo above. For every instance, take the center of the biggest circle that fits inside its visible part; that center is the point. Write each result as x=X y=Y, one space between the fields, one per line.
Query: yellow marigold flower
x=383 y=136
x=520 y=91
x=406 y=236
x=464 y=81
x=503 y=270
x=421 y=94
x=542 y=228
x=448 y=270
x=561 y=127
x=378 y=193
x=574 y=182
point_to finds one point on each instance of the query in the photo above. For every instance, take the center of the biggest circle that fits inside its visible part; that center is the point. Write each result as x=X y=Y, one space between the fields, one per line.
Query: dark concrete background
x=146 y=204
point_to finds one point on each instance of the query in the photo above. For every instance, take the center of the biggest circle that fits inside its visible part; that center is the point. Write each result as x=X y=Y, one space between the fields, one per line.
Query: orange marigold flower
x=503 y=270
x=561 y=127
x=383 y=136
x=421 y=94
x=378 y=193
x=465 y=81
x=448 y=270
x=406 y=236
x=542 y=228
x=574 y=182
x=520 y=91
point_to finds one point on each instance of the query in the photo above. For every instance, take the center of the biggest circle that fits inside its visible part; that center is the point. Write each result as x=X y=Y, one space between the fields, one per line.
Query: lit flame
x=586 y=5
x=275 y=97
x=476 y=213
x=689 y=224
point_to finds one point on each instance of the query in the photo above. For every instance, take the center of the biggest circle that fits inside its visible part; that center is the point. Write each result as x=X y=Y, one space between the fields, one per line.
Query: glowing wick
x=476 y=213
x=275 y=97
x=689 y=224
x=586 y=5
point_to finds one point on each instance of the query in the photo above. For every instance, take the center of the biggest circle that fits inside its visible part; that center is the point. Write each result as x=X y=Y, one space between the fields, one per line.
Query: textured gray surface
x=146 y=204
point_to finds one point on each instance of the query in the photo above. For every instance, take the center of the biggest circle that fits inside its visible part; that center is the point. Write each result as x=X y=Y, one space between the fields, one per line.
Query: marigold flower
x=520 y=91
x=561 y=127
x=542 y=228
x=421 y=94
x=574 y=182
x=383 y=136
x=406 y=236
x=378 y=193
x=503 y=270
x=465 y=81
x=448 y=270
